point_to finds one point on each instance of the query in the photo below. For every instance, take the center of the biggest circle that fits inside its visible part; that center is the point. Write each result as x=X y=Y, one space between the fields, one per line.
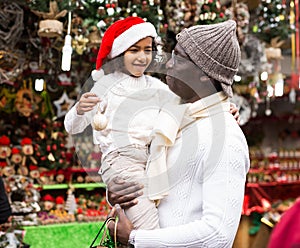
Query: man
x=208 y=163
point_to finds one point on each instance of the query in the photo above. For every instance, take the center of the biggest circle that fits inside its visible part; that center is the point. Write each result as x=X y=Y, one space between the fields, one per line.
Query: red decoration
x=4 y=140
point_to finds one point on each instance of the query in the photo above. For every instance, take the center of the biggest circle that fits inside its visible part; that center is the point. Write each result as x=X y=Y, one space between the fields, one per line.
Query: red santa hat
x=15 y=150
x=59 y=200
x=26 y=141
x=48 y=197
x=121 y=35
x=4 y=140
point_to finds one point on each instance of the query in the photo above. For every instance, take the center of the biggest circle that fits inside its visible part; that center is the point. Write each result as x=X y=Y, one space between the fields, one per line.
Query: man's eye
x=133 y=50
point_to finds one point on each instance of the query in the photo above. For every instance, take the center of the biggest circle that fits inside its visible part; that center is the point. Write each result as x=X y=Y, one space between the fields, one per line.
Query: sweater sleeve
x=222 y=198
x=75 y=123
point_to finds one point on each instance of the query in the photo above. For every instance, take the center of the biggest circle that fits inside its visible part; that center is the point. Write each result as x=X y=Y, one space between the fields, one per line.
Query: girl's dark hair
x=117 y=63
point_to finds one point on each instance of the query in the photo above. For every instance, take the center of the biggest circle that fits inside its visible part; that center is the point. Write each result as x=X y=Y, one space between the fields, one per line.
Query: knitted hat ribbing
x=215 y=49
x=121 y=35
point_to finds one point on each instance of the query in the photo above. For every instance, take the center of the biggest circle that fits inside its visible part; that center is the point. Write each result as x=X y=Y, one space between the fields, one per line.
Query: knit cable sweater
x=207 y=173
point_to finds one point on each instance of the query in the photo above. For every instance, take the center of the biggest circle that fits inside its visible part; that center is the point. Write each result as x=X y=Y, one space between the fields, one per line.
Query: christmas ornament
x=26 y=101
x=79 y=44
x=8 y=171
x=99 y=121
x=27 y=150
x=94 y=37
x=6 y=100
x=35 y=174
x=48 y=202
x=67 y=48
x=50 y=27
x=46 y=108
x=64 y=80
x=71 y=204
x=60 y=176
x=63 y=104
x=16 y=156
x=16 y=160
x=274 y=51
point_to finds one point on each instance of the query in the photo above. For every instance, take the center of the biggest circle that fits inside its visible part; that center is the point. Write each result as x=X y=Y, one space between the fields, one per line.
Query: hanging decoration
x=11 y=24
x=26 y=101
x=67 y=48
x=46 y=109
x=94 y=37
x=63 y=104
x=51 y=26
x=12 y=64
x=80 y=43
x=6 y=100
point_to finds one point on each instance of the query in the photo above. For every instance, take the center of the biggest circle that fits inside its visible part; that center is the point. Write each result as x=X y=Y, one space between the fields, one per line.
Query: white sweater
x=132 y=107
x=208 y=166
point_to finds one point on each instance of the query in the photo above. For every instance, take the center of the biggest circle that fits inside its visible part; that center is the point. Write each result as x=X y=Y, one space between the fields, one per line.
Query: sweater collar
x=129 y=82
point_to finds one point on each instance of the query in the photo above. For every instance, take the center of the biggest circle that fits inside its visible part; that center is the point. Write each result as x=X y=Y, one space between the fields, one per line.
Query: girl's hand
x=87 y=102
x=235 y=112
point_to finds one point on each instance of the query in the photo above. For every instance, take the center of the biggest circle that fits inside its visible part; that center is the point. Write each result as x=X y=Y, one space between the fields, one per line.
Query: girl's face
x=138 y=57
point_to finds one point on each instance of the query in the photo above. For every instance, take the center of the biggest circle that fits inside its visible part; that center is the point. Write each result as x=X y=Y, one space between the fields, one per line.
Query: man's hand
x=124 y=226
x=123 y=193
x=235 y=112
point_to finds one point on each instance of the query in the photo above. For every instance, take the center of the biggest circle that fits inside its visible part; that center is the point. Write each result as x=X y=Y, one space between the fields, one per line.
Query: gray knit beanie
x=215 y=49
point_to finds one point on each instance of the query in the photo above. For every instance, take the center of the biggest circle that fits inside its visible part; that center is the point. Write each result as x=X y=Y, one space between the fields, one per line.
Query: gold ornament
x=80 y=44
x=100 y=121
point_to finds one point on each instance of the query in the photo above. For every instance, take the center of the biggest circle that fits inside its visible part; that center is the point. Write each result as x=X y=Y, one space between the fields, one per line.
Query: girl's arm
x=80 y=115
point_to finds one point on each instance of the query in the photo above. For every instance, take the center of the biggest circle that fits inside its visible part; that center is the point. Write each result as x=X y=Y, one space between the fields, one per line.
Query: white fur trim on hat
x=97 y=74
x=130 y=37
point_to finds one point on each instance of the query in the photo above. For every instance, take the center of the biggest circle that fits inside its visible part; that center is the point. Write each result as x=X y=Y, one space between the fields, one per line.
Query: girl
x=130 y=102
